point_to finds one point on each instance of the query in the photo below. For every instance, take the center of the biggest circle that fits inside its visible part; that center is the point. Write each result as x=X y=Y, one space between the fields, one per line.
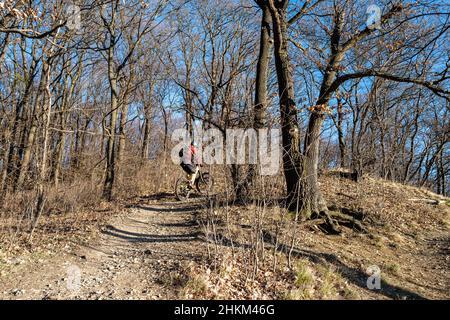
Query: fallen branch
x=429 y=201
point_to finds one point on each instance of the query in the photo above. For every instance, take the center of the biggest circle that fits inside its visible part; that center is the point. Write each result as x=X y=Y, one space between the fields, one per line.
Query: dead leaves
x=320 y=109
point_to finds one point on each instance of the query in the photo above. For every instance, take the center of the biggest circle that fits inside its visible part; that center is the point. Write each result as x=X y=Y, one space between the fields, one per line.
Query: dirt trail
x=138 y=255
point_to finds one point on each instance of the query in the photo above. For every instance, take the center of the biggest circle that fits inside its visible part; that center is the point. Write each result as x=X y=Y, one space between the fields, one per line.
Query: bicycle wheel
x=182 y=189
x=204 y=183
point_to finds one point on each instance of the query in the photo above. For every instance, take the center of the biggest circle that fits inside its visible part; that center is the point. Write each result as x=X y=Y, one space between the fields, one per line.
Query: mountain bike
x=203 y=185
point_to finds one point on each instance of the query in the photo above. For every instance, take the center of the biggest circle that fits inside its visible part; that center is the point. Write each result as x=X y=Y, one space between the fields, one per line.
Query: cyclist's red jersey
x=192 y=156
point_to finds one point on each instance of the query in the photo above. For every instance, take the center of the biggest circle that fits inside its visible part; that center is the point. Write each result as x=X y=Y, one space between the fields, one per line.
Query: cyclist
x=190 y=162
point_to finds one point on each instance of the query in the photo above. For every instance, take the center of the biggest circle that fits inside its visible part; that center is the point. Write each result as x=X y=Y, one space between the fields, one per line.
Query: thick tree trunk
x=262 y=74
x=312 y=202
x=262 y=70
x=311 y=198
x=288 y=111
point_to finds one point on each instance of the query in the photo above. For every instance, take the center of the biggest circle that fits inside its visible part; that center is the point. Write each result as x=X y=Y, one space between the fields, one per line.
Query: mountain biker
x=190 y=162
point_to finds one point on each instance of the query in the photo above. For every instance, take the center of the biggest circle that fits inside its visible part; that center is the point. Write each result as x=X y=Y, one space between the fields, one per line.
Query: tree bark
x=288 y=111
x=262 y=74
x=111 y=134
x=122 y=136
x=342 y=153
x=262 y=70
x=147 y=120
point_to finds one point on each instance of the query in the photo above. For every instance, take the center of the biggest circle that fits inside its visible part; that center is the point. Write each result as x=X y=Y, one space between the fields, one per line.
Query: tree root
x=331 y=221
x=331 y=225
x=347 y=220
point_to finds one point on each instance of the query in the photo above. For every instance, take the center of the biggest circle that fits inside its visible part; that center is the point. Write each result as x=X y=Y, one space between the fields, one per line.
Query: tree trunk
x=288 y=110
x=311 y=198
x=29 y=142
x=342 y=153
x=122 y=136
x=189 y=104
x=260 y=108
x=262 y=70
x=111 y=137
x=146 y=138
x=46 y=116
x=60 y=139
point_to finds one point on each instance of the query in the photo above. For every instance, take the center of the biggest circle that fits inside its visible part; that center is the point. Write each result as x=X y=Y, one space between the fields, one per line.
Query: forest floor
x=156 y=249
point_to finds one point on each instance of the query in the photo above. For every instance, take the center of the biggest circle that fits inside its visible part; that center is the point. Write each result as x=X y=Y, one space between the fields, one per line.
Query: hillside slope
x=408 y=240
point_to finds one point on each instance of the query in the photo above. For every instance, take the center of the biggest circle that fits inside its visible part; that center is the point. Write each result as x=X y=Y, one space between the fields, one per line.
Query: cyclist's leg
x=191 y=171
x=194 y=175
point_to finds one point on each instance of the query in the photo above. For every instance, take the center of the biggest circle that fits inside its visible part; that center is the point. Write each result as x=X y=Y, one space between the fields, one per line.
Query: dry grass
x=75 y=207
